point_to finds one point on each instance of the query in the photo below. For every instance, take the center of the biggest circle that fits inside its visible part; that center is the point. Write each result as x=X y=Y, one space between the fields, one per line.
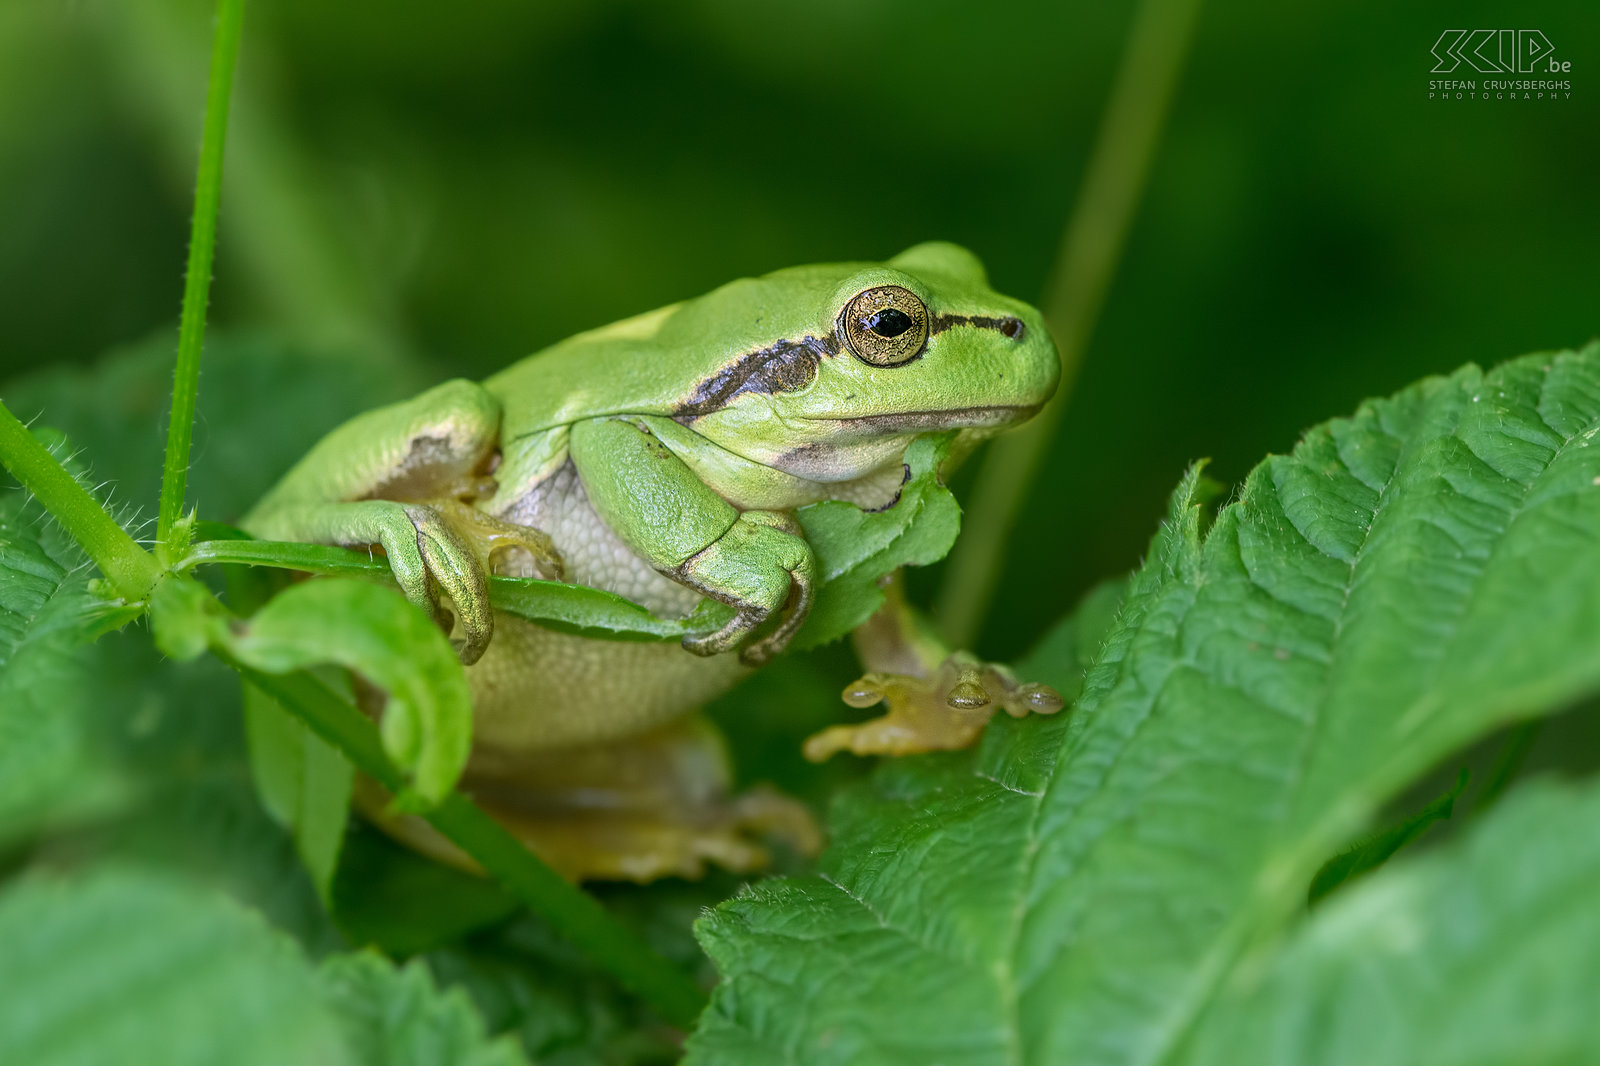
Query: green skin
x=661 y=457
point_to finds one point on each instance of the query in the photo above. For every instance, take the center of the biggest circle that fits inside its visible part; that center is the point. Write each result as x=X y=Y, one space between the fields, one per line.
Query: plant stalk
x=197 y=282
x=573 y=912
x=132 y=571
x=1091 y=247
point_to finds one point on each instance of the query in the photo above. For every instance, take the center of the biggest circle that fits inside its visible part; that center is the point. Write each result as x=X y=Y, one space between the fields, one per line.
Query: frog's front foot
x=761 y=566
x=456 y=547
x=938 y=713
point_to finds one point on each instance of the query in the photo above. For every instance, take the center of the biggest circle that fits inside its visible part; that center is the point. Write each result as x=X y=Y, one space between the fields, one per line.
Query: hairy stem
x=568 y=908
x=132 y=571
x=197 y=283
x=1091 y=247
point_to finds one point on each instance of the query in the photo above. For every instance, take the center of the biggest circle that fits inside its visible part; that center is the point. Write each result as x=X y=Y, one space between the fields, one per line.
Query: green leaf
x=388 y=896
x=527 y=979
x=125 y=967
x=397 y=1017
x=373 y=631
x=304 y=782
x=1485 y=952
x=1373 y=851
x=1082 y=887
x=856 y=548
x=48 y=612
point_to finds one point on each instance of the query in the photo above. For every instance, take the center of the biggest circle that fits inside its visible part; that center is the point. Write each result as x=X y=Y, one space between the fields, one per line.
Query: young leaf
x=1487 y=951
x=1081 y=888
x=427 y=720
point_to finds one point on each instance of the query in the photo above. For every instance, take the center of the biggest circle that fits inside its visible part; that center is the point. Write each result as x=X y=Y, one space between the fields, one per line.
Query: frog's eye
x=886 y=325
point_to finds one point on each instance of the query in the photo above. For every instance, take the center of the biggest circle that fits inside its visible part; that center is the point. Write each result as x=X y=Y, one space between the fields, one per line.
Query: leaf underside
x=1082 y=888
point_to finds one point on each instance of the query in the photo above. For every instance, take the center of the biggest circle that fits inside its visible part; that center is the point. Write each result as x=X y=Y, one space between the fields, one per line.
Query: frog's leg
x=936 y=700
x=755 y=561
x=656 y=805
x=398 y=477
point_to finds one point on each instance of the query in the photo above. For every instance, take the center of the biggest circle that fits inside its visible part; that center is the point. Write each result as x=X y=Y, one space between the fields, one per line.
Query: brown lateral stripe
x=782 y=367
x=1011 y=327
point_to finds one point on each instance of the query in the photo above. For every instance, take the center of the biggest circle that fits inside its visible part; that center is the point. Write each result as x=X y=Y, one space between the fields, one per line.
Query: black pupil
x=888 y=323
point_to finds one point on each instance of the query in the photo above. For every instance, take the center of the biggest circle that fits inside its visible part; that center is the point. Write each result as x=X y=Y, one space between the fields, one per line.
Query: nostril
x=1013 y=328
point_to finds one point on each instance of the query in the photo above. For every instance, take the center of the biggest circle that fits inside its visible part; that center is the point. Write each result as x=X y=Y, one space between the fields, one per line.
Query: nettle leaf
x=131 y=967
x=1486 y=952
x=1083 y=887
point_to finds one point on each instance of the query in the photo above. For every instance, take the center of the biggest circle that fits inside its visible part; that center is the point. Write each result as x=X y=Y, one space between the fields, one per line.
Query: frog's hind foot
x=635 y=810
x=644 y=846
x=938 y=713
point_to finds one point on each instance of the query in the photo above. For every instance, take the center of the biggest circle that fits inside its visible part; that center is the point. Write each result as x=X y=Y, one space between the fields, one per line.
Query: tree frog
x=662 y=458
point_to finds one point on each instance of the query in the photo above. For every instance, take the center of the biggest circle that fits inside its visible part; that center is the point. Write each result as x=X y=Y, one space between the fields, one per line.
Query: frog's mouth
x=917 y=421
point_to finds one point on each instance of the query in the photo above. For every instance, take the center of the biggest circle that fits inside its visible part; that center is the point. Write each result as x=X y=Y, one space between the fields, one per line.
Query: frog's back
x=652 y=363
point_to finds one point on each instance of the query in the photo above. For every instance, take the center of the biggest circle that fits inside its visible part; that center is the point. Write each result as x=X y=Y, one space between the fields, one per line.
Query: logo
x=1497 y=52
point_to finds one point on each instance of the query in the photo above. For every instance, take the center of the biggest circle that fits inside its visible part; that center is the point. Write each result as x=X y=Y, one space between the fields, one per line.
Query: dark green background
x=456 y=186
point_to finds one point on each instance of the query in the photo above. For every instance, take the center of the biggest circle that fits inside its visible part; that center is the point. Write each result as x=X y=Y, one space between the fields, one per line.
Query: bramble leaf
x=1082 y=888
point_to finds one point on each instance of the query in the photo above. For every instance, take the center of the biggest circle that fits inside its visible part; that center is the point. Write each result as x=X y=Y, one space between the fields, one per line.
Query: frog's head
x=852 y=360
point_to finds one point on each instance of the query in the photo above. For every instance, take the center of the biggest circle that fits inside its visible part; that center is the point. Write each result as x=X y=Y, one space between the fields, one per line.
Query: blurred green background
x=444 y=189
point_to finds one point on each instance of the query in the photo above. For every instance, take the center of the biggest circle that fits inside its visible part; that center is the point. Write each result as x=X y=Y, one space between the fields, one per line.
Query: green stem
x=197 y=283
x=569 y=909
x=1091 y=247
x=132 y=571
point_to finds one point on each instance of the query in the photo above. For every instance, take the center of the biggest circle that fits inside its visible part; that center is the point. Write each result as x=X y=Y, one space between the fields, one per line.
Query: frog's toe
x=938 y=713
x=795 y=613
x=728 y=637
x=979 y=684
x=451 y=568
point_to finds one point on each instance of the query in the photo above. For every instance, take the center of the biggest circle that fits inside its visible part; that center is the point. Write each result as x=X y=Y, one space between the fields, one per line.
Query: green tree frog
x=661 y=458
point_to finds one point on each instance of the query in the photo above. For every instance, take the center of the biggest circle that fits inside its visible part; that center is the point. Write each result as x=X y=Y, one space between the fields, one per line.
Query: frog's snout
x=1013 y=328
